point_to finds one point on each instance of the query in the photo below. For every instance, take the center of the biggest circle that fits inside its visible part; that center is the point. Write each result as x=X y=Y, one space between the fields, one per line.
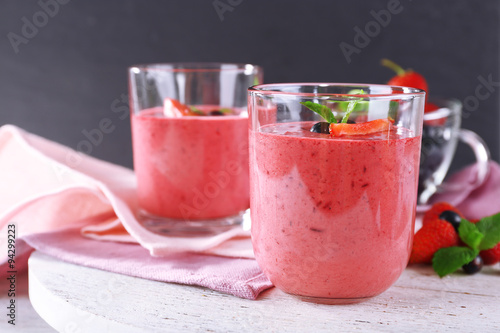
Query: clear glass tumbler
x=333 y=212
x=190 y=145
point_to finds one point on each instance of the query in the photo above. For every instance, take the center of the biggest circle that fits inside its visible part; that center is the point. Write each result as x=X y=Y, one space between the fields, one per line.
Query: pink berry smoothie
x=193 y=167
x=332 y=218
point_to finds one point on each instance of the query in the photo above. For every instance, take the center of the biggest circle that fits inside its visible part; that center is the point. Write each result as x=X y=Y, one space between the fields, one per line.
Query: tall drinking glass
x=333 y=212
x=190 y=145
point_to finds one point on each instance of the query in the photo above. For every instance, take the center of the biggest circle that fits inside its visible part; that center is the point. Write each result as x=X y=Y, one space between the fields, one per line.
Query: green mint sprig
x=483 y=235
x=196 y=110
x=327 y=114
x=323 y=110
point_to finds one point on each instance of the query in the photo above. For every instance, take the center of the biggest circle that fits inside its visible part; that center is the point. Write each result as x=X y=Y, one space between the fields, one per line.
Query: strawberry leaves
x=449 y=259
x=470 y=234
x=483 y=235
x=490 y=228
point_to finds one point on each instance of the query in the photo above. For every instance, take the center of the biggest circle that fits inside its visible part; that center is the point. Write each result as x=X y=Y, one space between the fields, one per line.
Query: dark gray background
x=72 y=72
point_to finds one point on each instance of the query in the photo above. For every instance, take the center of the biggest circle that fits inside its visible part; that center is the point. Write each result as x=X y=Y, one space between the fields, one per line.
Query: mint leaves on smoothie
x=173 y=108
x=483 y=235
x=334 y=128
x=327 y=114
x=323 y=110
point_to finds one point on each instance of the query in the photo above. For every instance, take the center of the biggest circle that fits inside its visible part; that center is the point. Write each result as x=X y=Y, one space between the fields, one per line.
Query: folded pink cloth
x=47 y=187
x=236 y=276
x=473 y=201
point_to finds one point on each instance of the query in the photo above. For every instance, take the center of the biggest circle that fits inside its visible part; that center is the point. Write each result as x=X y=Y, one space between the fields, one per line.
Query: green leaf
x=393 y=109
x=490 y=227
x=352 y=104
x=196 y=110
x=449 y=259
x=226 y=110
x=360 y=106
x=470 y=234
x=322 y=110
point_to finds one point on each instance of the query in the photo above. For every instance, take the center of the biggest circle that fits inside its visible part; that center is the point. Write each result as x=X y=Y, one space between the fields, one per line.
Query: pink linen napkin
x=473 y=201
x=235 y=276
x=47 y=187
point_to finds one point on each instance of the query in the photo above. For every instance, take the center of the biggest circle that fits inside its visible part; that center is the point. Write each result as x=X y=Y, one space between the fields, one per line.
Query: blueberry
x=452 y=217
x=321 y=127
x=216 y=113
x=474 y=266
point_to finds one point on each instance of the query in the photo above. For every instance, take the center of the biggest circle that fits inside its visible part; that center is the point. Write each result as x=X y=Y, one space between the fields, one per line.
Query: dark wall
x=62 y=78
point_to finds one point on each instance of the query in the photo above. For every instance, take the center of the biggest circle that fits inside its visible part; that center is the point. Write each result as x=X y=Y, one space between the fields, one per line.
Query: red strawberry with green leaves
x=491 y=256
x=405 y=78
x=435 y=235
x=409 y=78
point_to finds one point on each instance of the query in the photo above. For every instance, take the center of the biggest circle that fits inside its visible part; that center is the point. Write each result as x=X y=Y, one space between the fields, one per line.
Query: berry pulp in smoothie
x=332 y=217
x=193 y=167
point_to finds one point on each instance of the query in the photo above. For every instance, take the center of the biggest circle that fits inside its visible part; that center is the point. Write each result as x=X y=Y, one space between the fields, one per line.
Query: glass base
x=331 y=301
x=187 y=228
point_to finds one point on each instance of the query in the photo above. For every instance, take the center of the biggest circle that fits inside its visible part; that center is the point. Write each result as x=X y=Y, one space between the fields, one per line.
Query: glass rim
x=186 y=67
x=404 y=92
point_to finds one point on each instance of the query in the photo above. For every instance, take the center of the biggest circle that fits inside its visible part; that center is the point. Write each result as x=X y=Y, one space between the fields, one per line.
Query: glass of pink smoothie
x=190 y=145
x=333 y=202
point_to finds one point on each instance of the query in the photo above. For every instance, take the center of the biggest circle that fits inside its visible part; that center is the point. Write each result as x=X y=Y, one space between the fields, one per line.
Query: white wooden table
x=74 y=298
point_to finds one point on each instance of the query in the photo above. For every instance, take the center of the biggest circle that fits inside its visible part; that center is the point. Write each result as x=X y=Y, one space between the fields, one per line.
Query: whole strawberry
x=405 y=78
x=434 y=213
x=491 y=256
x=434 y=235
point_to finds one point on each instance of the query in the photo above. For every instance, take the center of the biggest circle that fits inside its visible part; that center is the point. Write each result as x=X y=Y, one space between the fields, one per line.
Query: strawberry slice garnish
x=374 y=126
x=174 y=109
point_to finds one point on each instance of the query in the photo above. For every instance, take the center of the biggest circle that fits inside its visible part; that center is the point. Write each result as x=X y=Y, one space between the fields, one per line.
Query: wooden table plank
x=81 y=299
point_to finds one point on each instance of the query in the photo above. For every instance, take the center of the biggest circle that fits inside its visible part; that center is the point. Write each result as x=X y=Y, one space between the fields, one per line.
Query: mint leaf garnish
x=350 y=108
x=322 y=110
x=490 y=227
x=449 y=259
x=470 y=234
x=196 y=110
x=393 y=109
x=226 y=110
x=352 y=105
